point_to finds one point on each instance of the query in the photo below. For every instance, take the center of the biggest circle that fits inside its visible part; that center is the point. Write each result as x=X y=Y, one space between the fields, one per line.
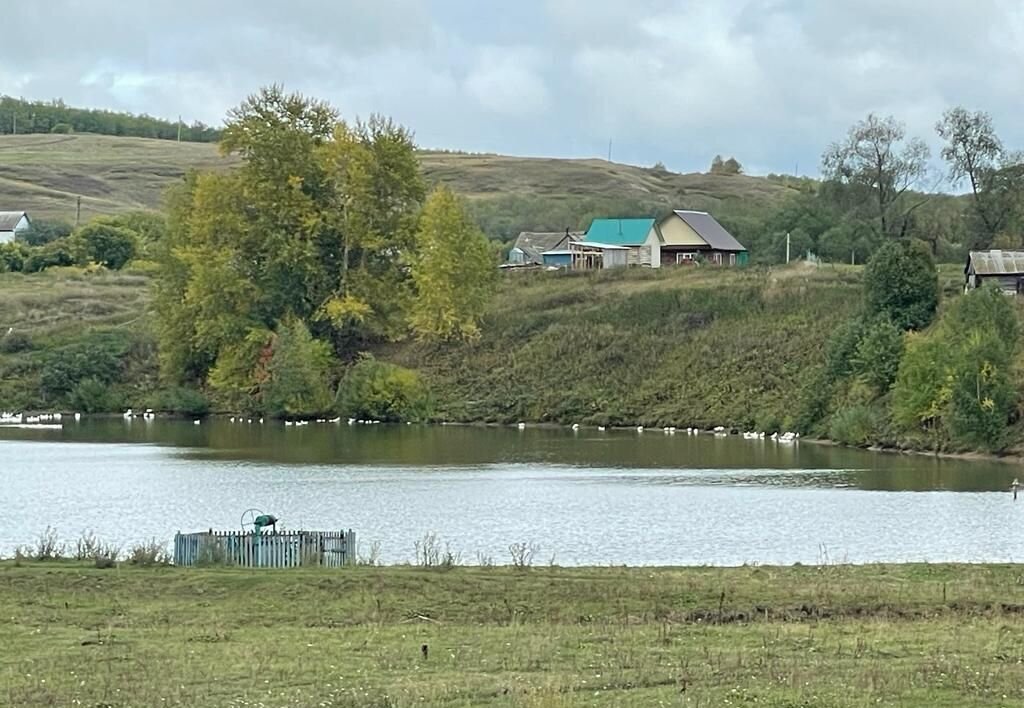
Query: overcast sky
x=769 y=81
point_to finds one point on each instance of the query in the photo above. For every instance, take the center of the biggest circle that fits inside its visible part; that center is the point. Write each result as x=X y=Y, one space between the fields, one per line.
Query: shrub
x=376 y=390
x=876 y=360
x=43 y=231
x=902 y=284
x=12 y=257
x=91 y=395
x=297 y=372
x=150 y=553
x=15 y=342
x=184 y=401
x=107 y=244
x=98 y=358
x=61 y=129
x=856 y=425
x=57 y=253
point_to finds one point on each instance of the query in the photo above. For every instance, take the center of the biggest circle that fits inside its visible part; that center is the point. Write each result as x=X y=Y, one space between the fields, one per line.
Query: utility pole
x=787 y=248
x=609 y=149
x=179 y=127
x=853 y=257
x=14 y=130
x=78 y=211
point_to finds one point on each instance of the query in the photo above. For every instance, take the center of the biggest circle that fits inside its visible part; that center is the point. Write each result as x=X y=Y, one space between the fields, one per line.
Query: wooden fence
x=331 y=549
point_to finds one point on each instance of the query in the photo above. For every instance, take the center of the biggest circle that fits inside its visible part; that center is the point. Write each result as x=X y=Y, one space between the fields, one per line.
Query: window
x=716 y=258
x=732 y=259
x=685 y=257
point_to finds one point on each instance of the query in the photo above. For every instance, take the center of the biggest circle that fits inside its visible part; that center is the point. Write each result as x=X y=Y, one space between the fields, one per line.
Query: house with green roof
x=637 y=235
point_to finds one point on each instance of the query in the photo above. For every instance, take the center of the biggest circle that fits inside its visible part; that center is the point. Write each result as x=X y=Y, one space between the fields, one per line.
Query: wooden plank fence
x=332 y=549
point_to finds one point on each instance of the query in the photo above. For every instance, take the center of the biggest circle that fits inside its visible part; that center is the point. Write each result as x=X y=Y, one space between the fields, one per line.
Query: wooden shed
x=1003 y=268
x=588 y=255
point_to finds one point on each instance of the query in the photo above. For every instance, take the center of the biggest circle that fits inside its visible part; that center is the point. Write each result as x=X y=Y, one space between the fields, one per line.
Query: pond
x=582 y=498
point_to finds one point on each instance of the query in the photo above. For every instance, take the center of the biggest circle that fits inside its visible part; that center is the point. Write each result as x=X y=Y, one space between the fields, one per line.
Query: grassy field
x=44 y=174
x=914 y=635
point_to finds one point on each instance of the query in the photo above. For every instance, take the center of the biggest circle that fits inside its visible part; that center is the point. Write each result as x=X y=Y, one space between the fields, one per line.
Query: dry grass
x=46 y=173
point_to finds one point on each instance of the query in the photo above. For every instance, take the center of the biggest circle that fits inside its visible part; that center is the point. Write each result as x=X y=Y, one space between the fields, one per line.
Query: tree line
x=21 y=116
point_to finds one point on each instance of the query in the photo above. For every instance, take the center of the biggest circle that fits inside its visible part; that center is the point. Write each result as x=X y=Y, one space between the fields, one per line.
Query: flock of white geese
x=56 y=420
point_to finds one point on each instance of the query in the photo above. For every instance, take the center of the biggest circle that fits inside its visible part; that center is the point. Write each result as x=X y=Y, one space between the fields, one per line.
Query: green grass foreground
x=910 y=635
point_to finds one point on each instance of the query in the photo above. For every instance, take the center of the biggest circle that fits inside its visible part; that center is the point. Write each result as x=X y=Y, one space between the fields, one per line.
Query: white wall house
x=12 y=222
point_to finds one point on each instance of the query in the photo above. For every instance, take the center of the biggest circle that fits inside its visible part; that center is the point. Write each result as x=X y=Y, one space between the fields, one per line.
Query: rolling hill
x=45 y=175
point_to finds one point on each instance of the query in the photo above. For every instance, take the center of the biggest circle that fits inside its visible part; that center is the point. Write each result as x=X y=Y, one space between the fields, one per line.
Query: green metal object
x=262 y=521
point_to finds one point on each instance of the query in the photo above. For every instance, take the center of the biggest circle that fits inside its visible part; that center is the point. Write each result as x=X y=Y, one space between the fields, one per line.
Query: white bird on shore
x=231 y=419
x=196 y=422
x=601 y=428
x=575 y=427
x=127 y=414
x=78 y=416
x=351 y=421
x=639 y=428
x=288 y=423
x=522 y=426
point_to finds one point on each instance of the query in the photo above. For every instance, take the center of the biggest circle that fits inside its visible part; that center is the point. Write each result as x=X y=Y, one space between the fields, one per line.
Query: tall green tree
x=995 y=176
x=298 y=372
x=317 y=222
x=878 y=160
x=902 y=285
x=453 y=272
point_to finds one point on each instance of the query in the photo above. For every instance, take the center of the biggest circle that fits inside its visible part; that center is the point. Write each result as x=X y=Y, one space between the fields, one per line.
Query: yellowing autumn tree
x=453 y=271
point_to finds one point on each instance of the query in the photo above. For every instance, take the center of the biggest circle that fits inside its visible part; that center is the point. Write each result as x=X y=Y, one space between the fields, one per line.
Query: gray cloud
x=771 y=81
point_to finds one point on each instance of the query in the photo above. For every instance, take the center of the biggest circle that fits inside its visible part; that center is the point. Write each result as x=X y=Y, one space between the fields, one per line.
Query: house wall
x=676 y=232
x=669 y=256
x=653 y=250
x=516 y=256
x=22 y=225
x=1007 y=283
x=616 y=258
x=6 y=236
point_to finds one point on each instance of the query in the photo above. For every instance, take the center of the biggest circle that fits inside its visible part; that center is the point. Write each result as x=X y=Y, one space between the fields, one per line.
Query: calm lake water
x=585 y=498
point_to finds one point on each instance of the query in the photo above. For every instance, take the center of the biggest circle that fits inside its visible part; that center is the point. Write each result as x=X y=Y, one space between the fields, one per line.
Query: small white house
x=12 y=222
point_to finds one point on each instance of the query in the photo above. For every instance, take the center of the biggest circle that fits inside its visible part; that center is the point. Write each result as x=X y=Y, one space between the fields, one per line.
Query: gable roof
x=534 y=243
x=9 y=220
x=619 y=232
x=996 y=262
x=713 y=233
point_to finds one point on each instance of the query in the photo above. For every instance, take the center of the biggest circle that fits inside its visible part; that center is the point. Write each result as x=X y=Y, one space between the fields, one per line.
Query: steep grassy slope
x=44 y=174
x=675 y=347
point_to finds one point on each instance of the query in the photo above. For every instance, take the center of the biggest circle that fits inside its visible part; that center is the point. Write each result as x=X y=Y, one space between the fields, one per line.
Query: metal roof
x=996 y=262
x=9 y=220
x=710 y=230
x=600 y=246
x=535 y=243
x=619 y=232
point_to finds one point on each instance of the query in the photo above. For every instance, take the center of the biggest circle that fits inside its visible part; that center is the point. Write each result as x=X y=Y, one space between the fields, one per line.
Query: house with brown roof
x=687 y=237
x=1005 y=269
x=11 y=223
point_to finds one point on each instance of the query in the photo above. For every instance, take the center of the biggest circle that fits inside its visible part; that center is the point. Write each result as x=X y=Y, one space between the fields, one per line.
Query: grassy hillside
x=912 y=635
x=44 y=174
x=671 y=347
x=65 y=315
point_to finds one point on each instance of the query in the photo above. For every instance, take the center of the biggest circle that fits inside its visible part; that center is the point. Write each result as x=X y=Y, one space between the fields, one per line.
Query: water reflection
x=586 y=497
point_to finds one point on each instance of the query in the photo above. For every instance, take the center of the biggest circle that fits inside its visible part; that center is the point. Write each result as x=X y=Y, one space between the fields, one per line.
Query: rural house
x=636 y=236
x=1003 y=268
x=11 y=223
x=684 y=237
x=535 y=248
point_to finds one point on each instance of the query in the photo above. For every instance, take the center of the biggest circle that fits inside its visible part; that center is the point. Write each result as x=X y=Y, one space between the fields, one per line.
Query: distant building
x=1003 y=268
x=11 y=223
x=537 y=248
x=637 y=236
x=590 y=255
x=685 y=237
